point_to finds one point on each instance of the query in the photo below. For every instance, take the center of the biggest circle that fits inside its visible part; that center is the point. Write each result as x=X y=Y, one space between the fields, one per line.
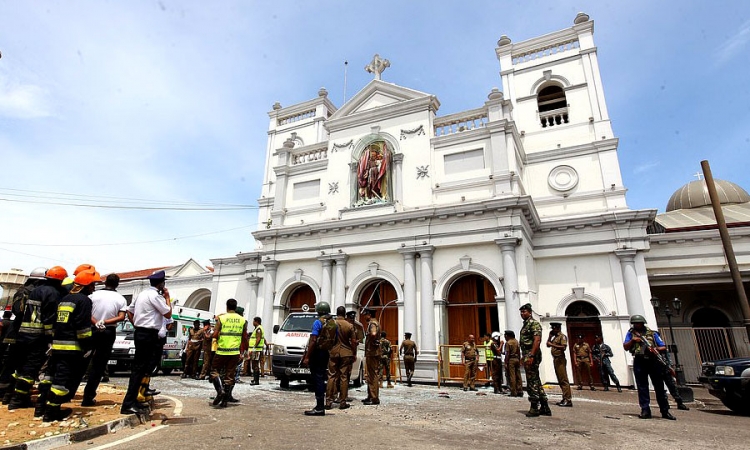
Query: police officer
x=72 y=342
x=373 y=353
x=194 y=345
x=409 y=350
x=513 y=364
x=496 y=348
x=35 y=335
x=469 y=357
x=340 y=362
x=317 y=360
x=231 y=337
x=557 y=343
x=530 y=340
x=208 y=353
x=582 y=362
x=147 y=313
x=601 y=353
x=257 y=345
x=643 y=343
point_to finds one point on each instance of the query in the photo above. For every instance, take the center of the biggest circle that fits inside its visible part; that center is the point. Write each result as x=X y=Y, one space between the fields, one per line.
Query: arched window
x=553 y=106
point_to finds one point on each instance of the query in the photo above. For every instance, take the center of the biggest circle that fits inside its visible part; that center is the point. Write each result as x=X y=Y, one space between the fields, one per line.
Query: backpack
x=328 y=333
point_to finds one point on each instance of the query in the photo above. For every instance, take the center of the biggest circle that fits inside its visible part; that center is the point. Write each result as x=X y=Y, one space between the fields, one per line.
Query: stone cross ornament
x=377 y=66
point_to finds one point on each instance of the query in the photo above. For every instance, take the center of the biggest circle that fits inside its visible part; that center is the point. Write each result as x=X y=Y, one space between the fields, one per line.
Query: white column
x=428 y=339
x=325 y=282
x=269 y=287
x=630 y=280
x=398 y=180
x=339 y=292
x=252 y=301
x=510 y=282
x=410 y=291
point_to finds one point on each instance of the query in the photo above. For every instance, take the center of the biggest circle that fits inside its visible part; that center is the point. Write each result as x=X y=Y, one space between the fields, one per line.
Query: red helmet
x=86 y=277
x=56 y=273
x=83 y=267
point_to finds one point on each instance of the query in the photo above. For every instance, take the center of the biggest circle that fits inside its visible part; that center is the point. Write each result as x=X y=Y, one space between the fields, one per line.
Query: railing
x=296 y=117
x=545 y=51
x=699 y=345
x=465 y=121
x=307 y=156
x=555 y=117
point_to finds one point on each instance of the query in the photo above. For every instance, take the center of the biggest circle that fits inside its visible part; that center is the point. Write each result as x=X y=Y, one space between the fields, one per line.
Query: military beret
x=240 y=310
x=158 y=275
x=351 y=314
x=526 y=307
x=555 y=324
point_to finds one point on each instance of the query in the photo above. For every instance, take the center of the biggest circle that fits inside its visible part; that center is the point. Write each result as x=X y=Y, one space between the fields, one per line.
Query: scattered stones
x=12 y=424
x=32 y=433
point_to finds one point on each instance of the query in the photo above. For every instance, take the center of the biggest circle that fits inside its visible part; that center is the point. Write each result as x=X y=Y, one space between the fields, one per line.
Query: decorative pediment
x=378 y=94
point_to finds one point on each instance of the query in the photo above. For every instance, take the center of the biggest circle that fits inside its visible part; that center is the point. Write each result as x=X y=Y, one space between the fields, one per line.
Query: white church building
x=447 y=224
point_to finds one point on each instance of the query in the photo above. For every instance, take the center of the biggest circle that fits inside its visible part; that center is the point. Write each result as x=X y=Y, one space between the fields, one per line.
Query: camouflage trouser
x=534 y=383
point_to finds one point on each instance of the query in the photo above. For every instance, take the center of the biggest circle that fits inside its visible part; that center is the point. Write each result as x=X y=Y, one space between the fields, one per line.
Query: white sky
x=167 y=100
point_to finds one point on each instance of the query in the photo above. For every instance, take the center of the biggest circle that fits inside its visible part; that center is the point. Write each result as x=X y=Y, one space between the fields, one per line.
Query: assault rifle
x=659 y=358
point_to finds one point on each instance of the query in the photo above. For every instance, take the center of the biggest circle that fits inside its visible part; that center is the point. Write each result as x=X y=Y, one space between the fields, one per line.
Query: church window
x=553 y=106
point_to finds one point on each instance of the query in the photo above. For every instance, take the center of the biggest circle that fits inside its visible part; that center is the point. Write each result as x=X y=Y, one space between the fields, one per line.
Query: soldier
x=372 y=357
x=531 y=338
x=582 y=362
x=194 y=345
x=644 y=344
x=340 y=362
x=558 y=342
x=231 y=336
x=513 y=364
x=208 y=354
x=257 y=345
x=469 y=357
x=601 y=353
x=496 y=348
x=385 y=359
x=409 y=350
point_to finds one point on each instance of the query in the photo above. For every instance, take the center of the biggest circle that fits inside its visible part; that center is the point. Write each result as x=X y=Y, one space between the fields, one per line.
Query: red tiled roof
x=139 y=274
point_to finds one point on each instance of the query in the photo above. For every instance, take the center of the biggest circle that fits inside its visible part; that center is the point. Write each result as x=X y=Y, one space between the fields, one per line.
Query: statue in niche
x=372 y=174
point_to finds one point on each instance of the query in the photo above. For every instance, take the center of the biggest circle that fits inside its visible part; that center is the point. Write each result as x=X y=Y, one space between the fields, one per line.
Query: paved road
x=419 y=418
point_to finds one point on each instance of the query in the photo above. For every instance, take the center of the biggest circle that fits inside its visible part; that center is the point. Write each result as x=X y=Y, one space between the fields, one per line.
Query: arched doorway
x=301 y=295
x=712 y=338
x=583 y=320
x=380 y=296
x=199 y=299
x=471 y=309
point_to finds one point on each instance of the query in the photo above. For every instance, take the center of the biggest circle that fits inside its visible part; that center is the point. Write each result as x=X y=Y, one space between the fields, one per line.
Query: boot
x=256 y=378
x=226 y=396
x=682 y=406
x=53 y=411
x=544 y=409
x=219 y=390
x=534 y=410
x=619 y=389
x=41 y=399
x=230 y=397
x=21 y=396
x=143 y=395
x=496 y=391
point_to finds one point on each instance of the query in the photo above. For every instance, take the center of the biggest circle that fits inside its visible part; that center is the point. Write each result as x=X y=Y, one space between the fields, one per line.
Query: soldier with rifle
x=644 y=344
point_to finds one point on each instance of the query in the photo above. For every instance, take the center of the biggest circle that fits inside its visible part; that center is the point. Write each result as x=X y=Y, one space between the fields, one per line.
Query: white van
x=289 y=342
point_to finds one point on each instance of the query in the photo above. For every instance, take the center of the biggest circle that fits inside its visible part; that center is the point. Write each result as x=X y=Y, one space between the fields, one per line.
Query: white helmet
x=496 y=335
x=38 y=273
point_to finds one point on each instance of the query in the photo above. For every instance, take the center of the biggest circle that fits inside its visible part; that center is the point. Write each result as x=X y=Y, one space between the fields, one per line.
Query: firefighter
x=71 y=344
x=35 y=335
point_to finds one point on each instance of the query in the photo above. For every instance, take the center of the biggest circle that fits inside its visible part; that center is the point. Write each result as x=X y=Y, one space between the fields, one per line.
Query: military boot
x=21 y=395
x=226 y=396
x=682 y=406
x=256 y=379
x=544 y=408
x=143 y=394
x=219 y=390
x=41 y=399
x=534 y=410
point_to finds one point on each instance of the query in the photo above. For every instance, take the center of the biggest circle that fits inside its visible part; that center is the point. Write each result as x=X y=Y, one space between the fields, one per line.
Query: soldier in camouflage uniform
x=530 y=338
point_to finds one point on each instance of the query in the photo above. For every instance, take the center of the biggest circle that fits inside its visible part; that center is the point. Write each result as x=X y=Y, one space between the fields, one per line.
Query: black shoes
x=371 y=402
x=565 y=404
x=645 y=414
x=619 y=389
x=316 y=412
x=593 y=388
x=681 y=406
x=473 y=389
x=667 y=415
x=131 y=410
x=88 y=402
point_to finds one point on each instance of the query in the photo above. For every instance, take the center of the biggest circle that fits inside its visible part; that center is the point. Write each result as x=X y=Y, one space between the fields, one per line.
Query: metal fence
x=698 y=345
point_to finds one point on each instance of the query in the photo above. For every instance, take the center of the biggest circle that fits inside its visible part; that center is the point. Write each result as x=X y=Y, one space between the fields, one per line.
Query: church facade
x=446 y=224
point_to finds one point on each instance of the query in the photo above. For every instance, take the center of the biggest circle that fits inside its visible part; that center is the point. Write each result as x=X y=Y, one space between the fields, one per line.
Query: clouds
x=23 y=101
x=733 y=46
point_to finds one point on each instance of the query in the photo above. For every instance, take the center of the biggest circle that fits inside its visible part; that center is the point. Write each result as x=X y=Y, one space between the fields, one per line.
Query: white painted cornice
x=589 y=148
x=393 y=110
x=299 y=108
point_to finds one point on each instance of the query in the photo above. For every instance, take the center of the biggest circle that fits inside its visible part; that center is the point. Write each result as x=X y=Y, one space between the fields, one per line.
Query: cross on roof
x=698 y=175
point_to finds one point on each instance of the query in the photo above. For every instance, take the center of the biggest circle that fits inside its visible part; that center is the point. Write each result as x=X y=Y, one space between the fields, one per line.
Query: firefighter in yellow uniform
x=231 y=339
x=257 y=345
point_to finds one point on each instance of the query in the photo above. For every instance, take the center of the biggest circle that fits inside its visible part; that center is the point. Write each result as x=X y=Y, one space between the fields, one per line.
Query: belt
x=195 y=341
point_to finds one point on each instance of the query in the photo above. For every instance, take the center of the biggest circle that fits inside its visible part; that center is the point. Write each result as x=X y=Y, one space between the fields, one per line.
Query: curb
x=76 y=436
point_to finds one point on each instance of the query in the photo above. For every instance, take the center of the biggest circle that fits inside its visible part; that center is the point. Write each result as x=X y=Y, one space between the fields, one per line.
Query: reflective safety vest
x=258 y=346
x=73 y=323
x=488 y=353
x=230 y=335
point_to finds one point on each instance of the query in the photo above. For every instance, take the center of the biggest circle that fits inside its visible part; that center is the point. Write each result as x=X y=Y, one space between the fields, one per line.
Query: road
x=420 y=418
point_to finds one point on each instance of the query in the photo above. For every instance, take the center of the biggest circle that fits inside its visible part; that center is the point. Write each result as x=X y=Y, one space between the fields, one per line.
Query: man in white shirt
x=147 y=314
x=107 y=310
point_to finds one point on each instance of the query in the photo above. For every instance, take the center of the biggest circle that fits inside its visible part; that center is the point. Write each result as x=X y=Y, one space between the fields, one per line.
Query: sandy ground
x=20 y=425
